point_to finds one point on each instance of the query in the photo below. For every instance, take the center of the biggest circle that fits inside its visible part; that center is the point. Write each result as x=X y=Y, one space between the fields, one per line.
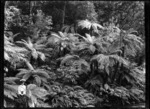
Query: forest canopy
x=74 y=53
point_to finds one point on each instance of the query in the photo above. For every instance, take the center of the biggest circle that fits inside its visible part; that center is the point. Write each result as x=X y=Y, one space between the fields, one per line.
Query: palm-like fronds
x=94 y=84
x=88 y=43
x=129 y=41
x=64 y=40
x=106 y=61
x=34 y=93
x=10 y=91
x=83 y=64
x=76 y=62
x=35 y=48
x=95 y=81
x=11 y=80
x=68 y=58
x=12 y=52
x=61 y=36
x=10 y=88
x=132 y=43
x=72 y=66
x=89 y=39
x=67 y=28
x=68 y=96
x=39 y=75
x=85 y=97
x=64 y=37
x=126 y=96
x=89 y=25
x=136 y=77
x=92 y=43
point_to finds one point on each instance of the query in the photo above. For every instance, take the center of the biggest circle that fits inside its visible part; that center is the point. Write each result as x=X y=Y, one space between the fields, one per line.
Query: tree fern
x=64 y=38
x=35 y=48
x=12 y=52
x=10 y=89
x=129 y=41
x=90 y=25
x=132 y=44
x=106 y=61
x=38 y=74
x=61 y=36
x=88 y=43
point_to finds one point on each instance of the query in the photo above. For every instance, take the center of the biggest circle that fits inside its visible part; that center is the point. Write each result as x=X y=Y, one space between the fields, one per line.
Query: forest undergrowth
x=71 y=54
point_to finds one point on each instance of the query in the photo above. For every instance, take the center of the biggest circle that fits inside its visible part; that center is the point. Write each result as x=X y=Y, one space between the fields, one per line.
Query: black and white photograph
x=61 y=54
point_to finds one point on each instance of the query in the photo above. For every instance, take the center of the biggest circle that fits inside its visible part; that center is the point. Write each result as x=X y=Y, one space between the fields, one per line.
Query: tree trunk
x=115 y=72
x=63 y=15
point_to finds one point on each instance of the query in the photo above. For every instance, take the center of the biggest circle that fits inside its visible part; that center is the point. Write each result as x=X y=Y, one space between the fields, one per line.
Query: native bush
x=64 y=68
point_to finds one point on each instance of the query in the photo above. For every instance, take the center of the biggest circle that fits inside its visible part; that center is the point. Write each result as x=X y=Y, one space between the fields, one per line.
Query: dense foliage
x=74 y=53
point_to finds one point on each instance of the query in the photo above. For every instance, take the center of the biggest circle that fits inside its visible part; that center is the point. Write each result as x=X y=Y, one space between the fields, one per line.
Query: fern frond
x=94 y=82
x=31 y=86
x=65 y=28
x=60 y=36
x=68 y=58
x=77 y=88
x=22 y=73
x=10 y=91
x=12 y=52
x=44 y=80
x=41 y=73
x=130 y=50
x=35 y=92
x=26 y=76
x=120 y=59
x=108 y=61
x=90 y=39
x=87 y=24
x=41 y=40
x=96 y=26
x=41 y=55
x=6 y=56
x=39 y=46
x=11 y=80
x=37 y=80
x=82 y=62
x=9 y=94
x=84 y=24
x=53 y=40
x=68 y=88
x=39 y=92
x=68 y=28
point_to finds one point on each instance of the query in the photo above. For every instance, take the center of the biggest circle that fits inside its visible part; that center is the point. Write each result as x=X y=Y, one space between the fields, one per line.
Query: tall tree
x=63 y=15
